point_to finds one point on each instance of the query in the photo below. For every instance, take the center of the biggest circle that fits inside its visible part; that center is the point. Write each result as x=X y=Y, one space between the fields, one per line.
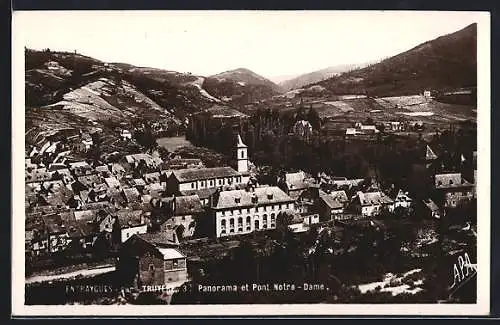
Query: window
x=175 y=263
x=211 y=182
x=231 y=223
x=220 y=181
x=242 y=154
x=249 y=219
x=240 y=221
x=192 y=185
x=223 y=231
x=273 y=217
x=202 y=183
x=256 y=222
x=151 y=267
x=223 y=224
x=231 y=230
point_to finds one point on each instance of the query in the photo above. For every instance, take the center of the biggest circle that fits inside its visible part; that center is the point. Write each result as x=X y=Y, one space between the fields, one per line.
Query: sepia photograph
x=251 y=162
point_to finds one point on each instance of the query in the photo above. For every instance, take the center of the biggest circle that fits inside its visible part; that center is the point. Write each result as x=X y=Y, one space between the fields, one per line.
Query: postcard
x=249 y=163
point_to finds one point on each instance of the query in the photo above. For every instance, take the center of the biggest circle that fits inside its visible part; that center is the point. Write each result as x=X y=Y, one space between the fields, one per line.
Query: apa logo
x=463 y=271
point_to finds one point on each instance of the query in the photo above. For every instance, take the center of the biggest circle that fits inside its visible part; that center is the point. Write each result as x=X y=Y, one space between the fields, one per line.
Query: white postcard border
x=483 y=245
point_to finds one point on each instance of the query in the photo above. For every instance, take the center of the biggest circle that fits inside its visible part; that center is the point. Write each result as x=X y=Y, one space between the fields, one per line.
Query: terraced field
x=411 y=108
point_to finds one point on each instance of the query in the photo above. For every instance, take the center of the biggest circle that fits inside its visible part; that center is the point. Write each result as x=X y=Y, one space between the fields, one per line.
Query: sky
x=270 y=43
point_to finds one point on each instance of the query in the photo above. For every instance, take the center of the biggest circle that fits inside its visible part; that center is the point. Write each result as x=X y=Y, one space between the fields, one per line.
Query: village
x=159 y=219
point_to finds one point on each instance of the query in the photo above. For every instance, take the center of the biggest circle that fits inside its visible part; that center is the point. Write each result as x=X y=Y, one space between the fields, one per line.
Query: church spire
x=241 y=155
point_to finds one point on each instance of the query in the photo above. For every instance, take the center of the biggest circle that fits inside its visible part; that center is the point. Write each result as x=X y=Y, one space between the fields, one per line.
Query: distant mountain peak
x=246 y=77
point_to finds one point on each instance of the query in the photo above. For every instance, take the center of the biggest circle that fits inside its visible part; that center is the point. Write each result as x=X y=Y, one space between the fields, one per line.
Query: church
x=203 y=181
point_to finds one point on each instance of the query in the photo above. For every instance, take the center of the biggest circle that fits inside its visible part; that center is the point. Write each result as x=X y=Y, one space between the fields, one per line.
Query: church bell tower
x=241 y=156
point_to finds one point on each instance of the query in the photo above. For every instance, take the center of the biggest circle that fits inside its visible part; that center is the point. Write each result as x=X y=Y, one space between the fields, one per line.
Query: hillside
x=315 y=76
x=52 y=77
x=240 y=86
x=447 y=62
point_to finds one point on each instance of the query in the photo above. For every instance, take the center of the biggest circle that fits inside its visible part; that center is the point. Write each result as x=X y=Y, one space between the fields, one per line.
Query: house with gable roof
x=370 y=204
x=152 y=259
x=182 y=211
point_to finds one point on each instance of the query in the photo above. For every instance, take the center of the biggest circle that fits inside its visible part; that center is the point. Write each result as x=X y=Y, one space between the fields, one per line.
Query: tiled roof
x=143 y=206
x=38 y=175
x=117 y=169
x=151 y=177
x=154 y=187
x=184 y=205
x=371 y=198
x=451 y=180
x=129 y=218
x=296 y=181
x=112 y=183
x=159 y=238
x=259 y=196
x=90 y=180
x=148 y=159
x=348 y=182
x=204 y=193
x=131 y=194
x=85 y=215
x=96 y=205
x=330 y=201
x=80 y=168
x=54 y=223
x=170 y=253
x=73 y=228
x=138 y=182
x=102 y=169
x=194 y=174
x=340 y=196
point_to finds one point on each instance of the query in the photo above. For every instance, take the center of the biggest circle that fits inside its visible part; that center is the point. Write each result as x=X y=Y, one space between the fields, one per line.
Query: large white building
x=243 y=211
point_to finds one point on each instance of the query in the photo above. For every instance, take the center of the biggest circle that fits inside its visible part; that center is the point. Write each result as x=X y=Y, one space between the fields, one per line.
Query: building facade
x=239 y=212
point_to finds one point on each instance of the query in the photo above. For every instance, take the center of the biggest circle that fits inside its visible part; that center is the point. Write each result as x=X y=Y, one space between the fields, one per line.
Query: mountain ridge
x=446 y=62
